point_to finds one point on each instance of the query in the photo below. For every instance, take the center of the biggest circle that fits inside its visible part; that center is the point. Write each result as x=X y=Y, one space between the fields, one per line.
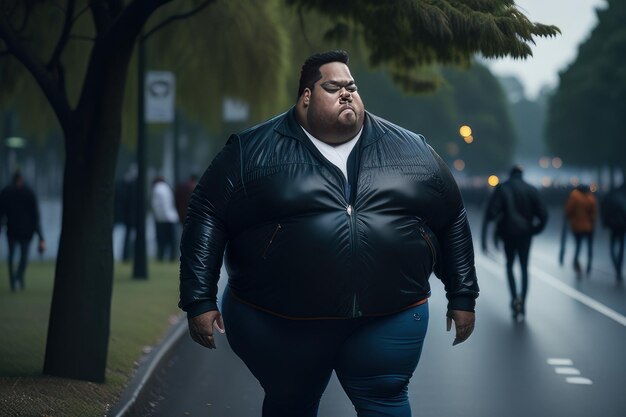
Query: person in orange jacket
x=581 y=210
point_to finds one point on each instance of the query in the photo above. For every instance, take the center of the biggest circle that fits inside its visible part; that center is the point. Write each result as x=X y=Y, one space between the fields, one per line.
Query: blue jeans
x=373 y=357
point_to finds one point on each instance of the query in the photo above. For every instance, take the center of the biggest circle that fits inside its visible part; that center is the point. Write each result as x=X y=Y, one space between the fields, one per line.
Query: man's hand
x=463 y=323
x=201 y=328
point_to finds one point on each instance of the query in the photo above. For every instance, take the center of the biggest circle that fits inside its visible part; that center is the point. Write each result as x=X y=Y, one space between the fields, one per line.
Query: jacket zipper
x=276 y=229
x=429 y=243
x=353 y=237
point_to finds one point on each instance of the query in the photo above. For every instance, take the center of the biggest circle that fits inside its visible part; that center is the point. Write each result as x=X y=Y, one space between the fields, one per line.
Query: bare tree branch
x=64 y=37
x=115 y=38
x=176 y=17
x=55 y=95
x=80 y=14
x=303 y=28
x=24 y=22
x=83 y=38
x=101 y=15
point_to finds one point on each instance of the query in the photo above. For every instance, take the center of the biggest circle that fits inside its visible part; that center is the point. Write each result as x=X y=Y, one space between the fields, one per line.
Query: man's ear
x=306 y=97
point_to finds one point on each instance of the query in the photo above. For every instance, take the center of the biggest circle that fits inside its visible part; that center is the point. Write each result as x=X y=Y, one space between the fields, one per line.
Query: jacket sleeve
x=205 y=233
x=493 y=212
x=540 y=212
x=457 y=270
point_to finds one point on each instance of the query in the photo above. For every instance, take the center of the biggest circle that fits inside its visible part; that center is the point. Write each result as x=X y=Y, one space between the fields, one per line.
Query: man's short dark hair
x=310 y=72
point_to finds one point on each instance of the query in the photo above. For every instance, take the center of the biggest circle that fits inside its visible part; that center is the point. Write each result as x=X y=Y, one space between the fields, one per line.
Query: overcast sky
x=575 y=18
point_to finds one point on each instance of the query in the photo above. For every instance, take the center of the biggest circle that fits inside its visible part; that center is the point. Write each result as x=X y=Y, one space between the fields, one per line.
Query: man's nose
x=344 y=94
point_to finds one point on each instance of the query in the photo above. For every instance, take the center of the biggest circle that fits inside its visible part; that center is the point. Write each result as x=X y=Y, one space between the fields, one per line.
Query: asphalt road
x=566 y=359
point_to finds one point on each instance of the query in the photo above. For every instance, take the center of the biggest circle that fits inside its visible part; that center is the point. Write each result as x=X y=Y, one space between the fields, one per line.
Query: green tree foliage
x=481 y=104
x=405 y=34
x=586 y=114
x=529 y=119
x=79 y=52
x=467 y=96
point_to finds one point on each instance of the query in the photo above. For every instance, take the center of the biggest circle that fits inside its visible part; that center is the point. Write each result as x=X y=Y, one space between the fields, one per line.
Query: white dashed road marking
x=563 y=366
x=579 y=380
x=560 y=362
x=566 y=371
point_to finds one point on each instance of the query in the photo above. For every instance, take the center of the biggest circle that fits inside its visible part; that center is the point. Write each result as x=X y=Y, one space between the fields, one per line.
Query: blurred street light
x=557 y=162
x=459 y=164
x=465 y=131
x=544 y=162
x=493 y=180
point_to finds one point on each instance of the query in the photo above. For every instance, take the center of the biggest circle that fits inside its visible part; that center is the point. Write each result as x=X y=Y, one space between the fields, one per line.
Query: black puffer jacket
x=300 y=241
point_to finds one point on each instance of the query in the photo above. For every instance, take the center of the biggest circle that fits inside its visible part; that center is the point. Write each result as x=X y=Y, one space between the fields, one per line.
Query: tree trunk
x=78 y=332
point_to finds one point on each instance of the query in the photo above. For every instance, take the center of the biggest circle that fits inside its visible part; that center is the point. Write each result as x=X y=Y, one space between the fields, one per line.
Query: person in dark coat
x=519 y=213
x=613 y=214
x=182 y=195
x=20 y=211
x=125 y=209
x=329 y=221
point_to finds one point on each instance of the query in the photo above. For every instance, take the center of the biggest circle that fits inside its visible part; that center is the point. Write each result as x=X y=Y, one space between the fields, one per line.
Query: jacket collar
x=287 y=125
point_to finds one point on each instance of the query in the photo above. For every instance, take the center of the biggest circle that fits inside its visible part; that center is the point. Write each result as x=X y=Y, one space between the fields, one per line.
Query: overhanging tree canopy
x=405 y=34
x=41 y=34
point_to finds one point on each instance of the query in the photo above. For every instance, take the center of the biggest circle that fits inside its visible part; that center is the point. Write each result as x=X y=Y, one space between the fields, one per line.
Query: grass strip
x=141 y=313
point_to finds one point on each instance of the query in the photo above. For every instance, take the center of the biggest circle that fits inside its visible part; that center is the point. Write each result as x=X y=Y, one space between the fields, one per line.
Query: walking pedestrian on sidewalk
x=332 y=219
x=165 y=219
x=519 y=214
x=613 y=211
x=182 y=195
x=581 y=210
x=20 y=211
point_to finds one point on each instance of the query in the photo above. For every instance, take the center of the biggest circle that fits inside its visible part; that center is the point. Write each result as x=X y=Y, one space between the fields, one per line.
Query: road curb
x=146 y=370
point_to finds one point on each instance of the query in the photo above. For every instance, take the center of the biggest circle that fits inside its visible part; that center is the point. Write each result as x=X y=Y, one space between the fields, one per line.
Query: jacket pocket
x=271 y=240
x=433 y=244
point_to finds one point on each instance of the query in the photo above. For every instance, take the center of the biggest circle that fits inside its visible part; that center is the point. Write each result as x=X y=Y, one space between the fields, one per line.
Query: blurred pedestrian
x=20 y=211
x=323 y=275
x=183 y=195
x=519 y=213
x=581 y=210
x=613 y=212
x=126 y=208
x=165 y=219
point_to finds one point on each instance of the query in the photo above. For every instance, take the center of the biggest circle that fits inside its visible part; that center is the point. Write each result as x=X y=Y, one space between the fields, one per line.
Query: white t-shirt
x=163 y=207
x=337 y=154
